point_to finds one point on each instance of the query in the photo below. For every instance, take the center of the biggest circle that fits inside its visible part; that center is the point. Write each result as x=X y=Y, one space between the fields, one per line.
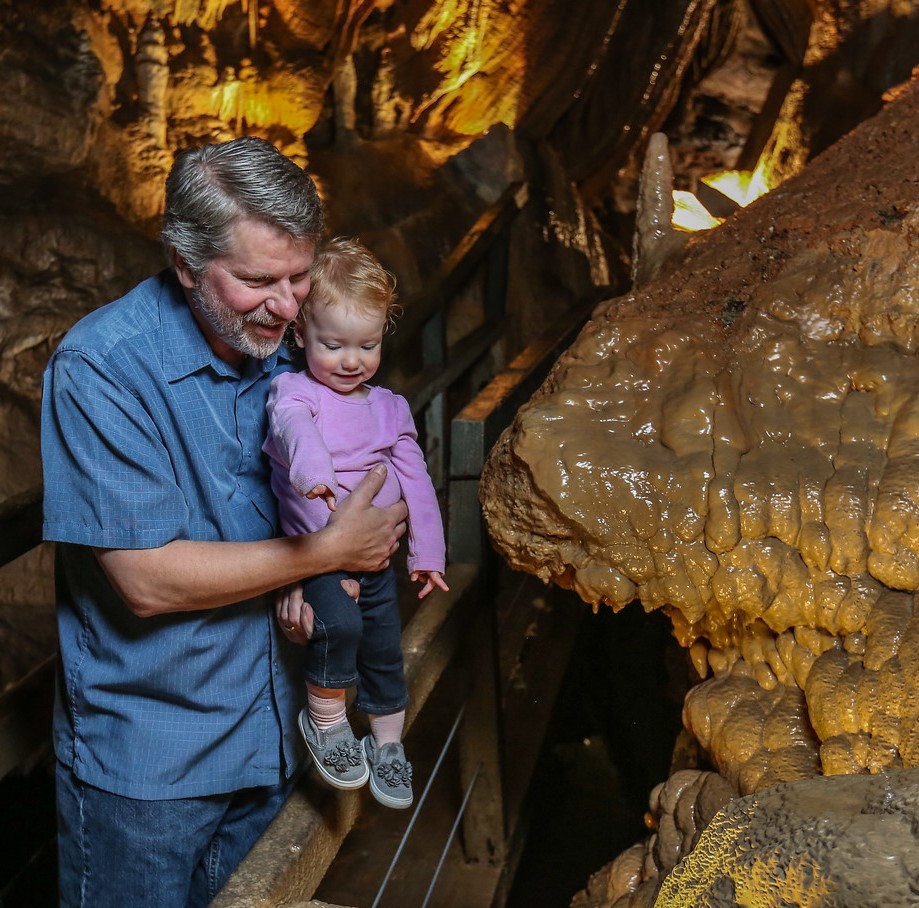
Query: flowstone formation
x=737 y=444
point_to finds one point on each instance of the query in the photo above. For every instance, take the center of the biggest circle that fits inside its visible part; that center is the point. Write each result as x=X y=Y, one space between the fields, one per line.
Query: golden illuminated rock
x=833 y=83
x=817 y=843
x=737 y=443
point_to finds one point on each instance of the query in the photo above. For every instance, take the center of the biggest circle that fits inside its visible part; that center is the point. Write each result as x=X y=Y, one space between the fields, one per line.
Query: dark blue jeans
x=117 y=852
x=357 y=643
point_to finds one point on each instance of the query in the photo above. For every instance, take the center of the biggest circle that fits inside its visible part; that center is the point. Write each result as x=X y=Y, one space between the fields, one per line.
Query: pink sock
x=326 y=711
x=387 y=729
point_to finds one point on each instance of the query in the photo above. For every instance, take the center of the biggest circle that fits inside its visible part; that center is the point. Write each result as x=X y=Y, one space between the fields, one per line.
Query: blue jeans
x=117 y=852
x=357 y=643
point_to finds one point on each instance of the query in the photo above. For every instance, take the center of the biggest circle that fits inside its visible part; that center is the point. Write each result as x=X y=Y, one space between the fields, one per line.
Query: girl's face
x=342 y=344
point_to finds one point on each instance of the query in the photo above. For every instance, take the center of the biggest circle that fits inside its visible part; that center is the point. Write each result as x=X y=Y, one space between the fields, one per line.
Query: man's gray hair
x=210 y=187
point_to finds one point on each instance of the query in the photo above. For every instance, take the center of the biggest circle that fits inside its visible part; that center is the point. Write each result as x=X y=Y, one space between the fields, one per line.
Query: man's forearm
x=187 y=576
x=184 y=576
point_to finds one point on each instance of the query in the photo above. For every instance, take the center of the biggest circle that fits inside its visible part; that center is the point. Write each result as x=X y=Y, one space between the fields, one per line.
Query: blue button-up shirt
x=147 y=437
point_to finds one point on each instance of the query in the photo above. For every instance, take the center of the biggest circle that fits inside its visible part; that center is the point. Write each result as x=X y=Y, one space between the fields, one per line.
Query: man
x=175 y=720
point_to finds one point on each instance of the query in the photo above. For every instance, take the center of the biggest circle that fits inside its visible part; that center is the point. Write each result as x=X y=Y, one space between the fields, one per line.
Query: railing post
x=434 y=355
x=484 y=826
x=488 y=824
x=480 y=742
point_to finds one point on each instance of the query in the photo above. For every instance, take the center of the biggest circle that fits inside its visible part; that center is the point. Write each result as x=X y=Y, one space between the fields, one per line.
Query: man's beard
x=230 y=326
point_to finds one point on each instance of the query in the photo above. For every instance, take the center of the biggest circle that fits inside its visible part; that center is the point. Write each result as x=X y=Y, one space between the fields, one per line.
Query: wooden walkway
x=531 y=670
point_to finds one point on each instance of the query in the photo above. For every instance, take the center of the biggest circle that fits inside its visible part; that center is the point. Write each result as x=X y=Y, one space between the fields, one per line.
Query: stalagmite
x=656 y=239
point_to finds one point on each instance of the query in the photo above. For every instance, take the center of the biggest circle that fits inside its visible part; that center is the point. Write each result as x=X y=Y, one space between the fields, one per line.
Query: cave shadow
x=28 y=839
x=610 y=740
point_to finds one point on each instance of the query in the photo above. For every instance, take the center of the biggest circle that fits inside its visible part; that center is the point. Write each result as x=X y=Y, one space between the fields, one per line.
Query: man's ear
x=183 y=273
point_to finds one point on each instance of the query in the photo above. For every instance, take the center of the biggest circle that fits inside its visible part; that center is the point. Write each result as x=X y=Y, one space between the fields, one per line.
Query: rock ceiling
x=131 y=81
x=109 y=90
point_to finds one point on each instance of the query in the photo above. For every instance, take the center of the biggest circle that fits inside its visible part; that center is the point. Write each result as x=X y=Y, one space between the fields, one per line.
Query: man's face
x=246 y=299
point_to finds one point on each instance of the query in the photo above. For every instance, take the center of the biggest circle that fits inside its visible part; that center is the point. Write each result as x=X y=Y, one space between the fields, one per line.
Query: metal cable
x=456 y=822
x=417 y=809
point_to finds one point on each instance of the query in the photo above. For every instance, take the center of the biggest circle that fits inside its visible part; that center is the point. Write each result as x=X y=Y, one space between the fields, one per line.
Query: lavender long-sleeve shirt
x=318 y=436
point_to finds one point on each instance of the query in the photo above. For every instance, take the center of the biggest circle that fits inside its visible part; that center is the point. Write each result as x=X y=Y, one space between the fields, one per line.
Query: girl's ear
x=298 y=333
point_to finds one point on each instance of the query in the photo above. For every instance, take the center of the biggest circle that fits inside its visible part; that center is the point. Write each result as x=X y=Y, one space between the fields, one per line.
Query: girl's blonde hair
x=346 y=272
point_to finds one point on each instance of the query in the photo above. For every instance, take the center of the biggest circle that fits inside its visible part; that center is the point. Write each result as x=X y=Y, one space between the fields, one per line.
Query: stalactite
x=345 y=89
x=152 y=65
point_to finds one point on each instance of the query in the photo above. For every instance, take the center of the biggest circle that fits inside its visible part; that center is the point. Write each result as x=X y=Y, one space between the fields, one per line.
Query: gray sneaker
x=390 y=773
x=335 y=752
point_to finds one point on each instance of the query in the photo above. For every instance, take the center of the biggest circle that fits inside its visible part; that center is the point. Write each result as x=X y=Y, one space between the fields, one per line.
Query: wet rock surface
x=735 y=443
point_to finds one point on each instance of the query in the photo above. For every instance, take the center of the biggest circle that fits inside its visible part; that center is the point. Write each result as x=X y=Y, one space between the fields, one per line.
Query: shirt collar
x=185 y=348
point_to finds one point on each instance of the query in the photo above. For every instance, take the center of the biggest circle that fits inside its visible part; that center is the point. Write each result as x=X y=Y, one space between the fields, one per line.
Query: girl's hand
x=324 y=492
x=294 y=615
x=430 y=579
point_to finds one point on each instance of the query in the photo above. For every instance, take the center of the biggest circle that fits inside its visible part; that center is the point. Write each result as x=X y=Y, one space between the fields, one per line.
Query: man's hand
x=367 y=536
x=294 y=615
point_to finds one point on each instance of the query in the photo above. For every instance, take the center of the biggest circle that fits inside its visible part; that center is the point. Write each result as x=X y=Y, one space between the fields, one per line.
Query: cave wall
x=413 y=116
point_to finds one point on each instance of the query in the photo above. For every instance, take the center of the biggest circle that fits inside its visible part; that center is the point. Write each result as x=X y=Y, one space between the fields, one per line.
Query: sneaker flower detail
x=343 y=756
x=390 y=773
x=395 y=773
x=336 y=753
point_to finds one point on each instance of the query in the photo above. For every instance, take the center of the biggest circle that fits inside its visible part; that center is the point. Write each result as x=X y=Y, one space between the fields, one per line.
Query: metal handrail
x=452 y=835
